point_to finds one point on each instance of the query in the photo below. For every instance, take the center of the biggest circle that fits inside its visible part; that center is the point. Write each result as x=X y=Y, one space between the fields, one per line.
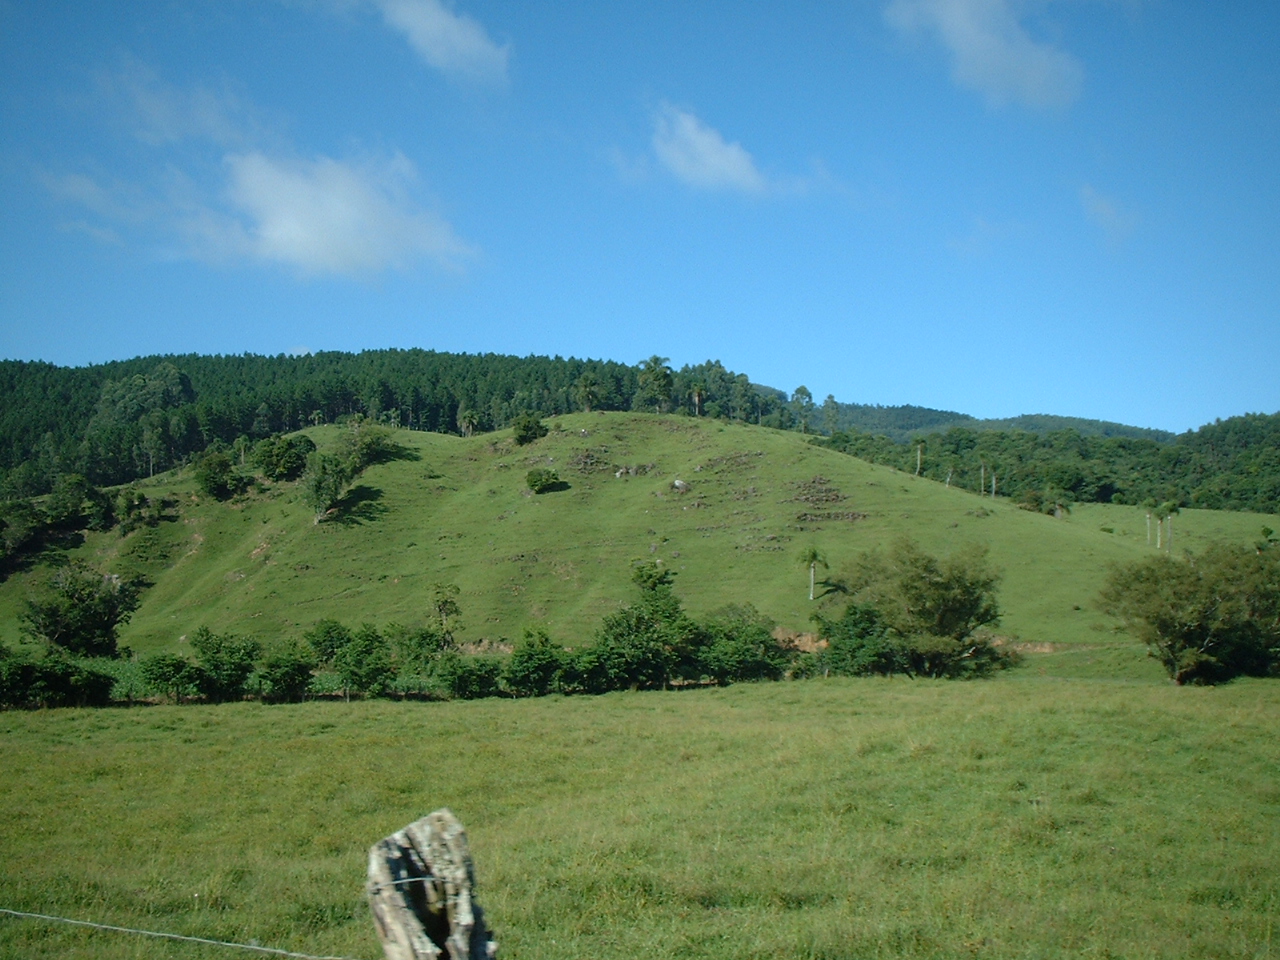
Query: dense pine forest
x=64 y=430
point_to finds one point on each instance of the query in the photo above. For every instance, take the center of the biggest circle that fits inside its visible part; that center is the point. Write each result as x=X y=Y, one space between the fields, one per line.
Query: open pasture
x=1035 y=815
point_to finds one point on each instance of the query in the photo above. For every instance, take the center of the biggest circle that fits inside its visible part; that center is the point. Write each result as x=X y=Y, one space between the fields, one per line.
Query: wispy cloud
x=1115 y=221
x=454 y=43
x=991 y=51
x=158 y=113
x=222 y=190
x=700 y=156
x=982 y=237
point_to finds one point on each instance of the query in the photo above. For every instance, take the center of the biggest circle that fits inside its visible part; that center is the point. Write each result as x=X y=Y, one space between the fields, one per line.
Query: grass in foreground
x=1022 y=817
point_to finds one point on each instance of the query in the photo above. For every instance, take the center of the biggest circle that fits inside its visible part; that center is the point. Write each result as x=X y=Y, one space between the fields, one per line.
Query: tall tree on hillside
x=830 y=414
x=468 y=420
x=587 y=390
x=802 y=407
x=444 y=601
x=698 y=393
x=655 y=384
x=812 y=559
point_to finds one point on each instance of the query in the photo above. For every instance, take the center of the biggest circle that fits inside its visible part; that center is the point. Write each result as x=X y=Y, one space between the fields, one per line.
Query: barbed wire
x=167 y=936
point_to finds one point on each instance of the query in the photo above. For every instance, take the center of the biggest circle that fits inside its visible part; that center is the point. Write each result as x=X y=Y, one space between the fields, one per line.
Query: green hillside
x=458 y=510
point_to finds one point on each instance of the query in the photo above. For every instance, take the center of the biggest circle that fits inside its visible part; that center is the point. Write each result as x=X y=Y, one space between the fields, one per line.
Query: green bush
x=225 y=663
x=416 y=649
x=364 y=663
x=169 y=675
x=326 y=638
x=739 y=645
x=55 y=681
x=542 y=481
x=916 y=614
x=535 y=666
x=1207 y=619
x=286 y=674
x=216 y=475
x=283 y=458
x=469 y=678
x=82 y=611
x=325 y=480
x=858 y=644
x=526 y=428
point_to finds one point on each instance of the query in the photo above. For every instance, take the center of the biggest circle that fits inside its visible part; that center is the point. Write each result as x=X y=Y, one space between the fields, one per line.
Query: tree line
x=908 y=613
x=116 y=422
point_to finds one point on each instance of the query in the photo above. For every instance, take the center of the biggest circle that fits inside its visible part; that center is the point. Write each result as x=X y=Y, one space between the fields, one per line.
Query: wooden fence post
x=421 y=890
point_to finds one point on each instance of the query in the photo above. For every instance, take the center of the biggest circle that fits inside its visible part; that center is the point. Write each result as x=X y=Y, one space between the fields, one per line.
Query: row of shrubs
x=651 y=643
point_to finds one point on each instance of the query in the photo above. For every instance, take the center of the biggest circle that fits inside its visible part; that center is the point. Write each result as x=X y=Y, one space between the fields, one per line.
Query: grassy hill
x=458 y=510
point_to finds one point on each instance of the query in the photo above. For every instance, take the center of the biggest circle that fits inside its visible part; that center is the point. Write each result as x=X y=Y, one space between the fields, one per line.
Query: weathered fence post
x=422 y=893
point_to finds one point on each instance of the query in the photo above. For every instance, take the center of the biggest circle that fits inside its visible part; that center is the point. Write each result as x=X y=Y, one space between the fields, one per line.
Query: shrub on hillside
x=526 y=428
x=286 y=674
x=535 y=666
x=81 y=611
x=542 y=481
x=325 y=480
x=1207 y=619
x=169 y=675
x=224 y=662
x=469 y=678
x=917 y=614
x=738 y=645
x=283 y=458
x=216 y=475
x=55 y=681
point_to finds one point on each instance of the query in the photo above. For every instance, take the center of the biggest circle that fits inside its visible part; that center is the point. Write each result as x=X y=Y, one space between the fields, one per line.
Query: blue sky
x=992 y=206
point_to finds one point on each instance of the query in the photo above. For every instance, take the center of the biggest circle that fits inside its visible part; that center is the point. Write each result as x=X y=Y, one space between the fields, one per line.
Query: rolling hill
x=452 y=509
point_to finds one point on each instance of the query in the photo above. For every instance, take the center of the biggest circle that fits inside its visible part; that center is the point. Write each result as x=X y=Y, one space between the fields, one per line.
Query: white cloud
x=453 y=43
x=992 y=52
x=325 y=216
x=1116 y=222
x=699 y=156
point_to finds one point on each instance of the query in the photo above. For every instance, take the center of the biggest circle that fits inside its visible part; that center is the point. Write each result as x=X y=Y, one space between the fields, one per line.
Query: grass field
x=1077 y=806
x=1035 y=815
x=458 y=510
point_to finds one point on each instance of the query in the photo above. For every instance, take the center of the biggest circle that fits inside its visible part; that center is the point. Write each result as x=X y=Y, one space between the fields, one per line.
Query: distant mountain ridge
x=116 y=422
x=901 y=423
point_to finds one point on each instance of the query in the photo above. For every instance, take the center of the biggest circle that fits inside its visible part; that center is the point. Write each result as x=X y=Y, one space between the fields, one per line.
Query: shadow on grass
x=359 y=505
x=555 y=487
x=390 y=450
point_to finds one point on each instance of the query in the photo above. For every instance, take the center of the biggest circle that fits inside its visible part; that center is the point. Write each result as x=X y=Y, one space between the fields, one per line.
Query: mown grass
x=1027 y=816
x=458 y=510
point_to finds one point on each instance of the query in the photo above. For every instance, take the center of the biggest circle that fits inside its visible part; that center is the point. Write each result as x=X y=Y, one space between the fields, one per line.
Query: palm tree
x=699 y=393
x=468 y=420
x=813 y=559
x=655 y=382
x=1164 y=516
